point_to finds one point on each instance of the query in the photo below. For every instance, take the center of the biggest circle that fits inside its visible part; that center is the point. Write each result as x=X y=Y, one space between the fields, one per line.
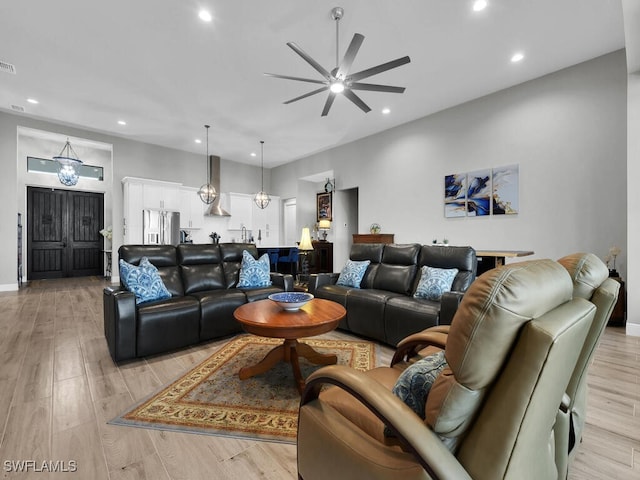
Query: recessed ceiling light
x=205 y=16
x=517 y=57
x=479 y=5
x=198 y=140
x=121 y=122
x=253 y=154
x=386 y=111
x=33 y=100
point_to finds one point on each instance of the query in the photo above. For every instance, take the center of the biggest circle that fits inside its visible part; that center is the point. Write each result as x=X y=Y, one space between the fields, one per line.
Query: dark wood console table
x=373 y=237
x=321 y=258
x=488 y=259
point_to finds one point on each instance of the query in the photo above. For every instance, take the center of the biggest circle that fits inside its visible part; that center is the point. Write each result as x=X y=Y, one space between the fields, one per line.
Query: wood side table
x=267 y=319
x=488 y=259
x=619 y=314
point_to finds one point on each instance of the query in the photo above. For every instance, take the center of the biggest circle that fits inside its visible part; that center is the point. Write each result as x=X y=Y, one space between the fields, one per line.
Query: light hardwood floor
x=59 y=387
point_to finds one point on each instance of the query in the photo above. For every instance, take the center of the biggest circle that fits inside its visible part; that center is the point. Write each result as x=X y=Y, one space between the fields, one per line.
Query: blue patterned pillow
x=254 y=273
x=352 y=273
x=414 y=384
x=434 y=282
x=143 y=281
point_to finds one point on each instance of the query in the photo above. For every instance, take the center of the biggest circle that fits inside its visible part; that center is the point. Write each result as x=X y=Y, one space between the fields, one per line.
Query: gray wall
x=631 y=10
x=567 y=133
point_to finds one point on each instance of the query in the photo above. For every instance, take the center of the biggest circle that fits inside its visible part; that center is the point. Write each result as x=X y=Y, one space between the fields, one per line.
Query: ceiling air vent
x=17 y=108
x=7 y=67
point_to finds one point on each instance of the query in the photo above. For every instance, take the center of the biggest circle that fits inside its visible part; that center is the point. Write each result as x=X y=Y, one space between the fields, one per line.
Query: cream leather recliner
x=490 y=414
x=590 y=281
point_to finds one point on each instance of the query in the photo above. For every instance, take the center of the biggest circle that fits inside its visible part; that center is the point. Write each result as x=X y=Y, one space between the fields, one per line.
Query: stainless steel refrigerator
x=160 y=227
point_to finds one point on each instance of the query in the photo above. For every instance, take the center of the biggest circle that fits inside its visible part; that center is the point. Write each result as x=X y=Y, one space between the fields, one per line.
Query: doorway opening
x=289 y=222
x=63 y=233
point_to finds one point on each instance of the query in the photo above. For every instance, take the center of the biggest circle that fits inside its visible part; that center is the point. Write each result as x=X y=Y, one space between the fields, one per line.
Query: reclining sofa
x=202 y=280
x=384 y=308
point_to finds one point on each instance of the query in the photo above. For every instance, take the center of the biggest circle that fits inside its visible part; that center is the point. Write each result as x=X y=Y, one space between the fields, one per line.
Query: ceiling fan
x=339 y=80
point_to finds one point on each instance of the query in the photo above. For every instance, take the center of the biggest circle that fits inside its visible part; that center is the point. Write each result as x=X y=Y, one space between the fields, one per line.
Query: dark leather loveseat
x=201 y=279
x=383 y=308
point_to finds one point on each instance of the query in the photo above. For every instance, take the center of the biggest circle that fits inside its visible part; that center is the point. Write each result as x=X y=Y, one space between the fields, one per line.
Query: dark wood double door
x=63 y=233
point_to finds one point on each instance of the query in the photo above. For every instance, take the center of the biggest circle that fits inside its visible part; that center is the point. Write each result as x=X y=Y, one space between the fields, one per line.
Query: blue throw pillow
x=352 y=273
x=254 y=273
x=414 y=384
x=434 y=282
x=143 y=281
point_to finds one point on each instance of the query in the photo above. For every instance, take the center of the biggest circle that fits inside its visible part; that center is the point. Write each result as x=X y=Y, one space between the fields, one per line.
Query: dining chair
x=292 y=259
x=274 y=255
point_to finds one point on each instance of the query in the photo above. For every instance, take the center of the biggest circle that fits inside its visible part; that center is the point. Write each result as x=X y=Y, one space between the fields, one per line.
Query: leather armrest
x=564 y=436
x=120 y=320
x=409 y=346
x=318 y=279
x=448 y=306
x=410 y=429
x=284 y=281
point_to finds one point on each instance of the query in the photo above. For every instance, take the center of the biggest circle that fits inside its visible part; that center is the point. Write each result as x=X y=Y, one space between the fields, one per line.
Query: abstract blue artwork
x=479 y=193
x=482 y=193
x=505 y=190
x=455 y=195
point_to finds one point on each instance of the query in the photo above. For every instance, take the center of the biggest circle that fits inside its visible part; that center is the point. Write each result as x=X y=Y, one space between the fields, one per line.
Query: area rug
x=210 y=399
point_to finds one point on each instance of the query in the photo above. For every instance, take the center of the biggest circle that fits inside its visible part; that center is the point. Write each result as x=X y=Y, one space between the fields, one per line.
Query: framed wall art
x=505 y=190
x=455 y=195
x=490 y=191
x=324 y=207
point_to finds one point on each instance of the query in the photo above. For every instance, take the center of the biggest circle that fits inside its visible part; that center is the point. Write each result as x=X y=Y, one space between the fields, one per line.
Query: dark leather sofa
x=201 y=279
x=383 y=308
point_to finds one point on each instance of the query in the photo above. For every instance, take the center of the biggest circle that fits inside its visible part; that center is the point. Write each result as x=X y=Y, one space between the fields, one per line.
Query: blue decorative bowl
x=291 y=301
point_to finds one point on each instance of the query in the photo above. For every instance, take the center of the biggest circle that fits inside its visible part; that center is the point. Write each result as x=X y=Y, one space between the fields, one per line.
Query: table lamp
x=305 y=247
x=324 y=225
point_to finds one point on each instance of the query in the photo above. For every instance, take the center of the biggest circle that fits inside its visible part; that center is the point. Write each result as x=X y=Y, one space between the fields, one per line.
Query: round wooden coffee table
x=266 y=319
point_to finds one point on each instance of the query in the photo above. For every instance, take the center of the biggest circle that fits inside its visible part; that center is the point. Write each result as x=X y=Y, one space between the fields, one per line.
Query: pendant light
x=68 y=164
x=207 y=192
x=262 y=198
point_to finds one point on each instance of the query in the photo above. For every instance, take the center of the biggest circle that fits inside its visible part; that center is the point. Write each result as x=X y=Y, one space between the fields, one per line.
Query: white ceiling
x=155 y=64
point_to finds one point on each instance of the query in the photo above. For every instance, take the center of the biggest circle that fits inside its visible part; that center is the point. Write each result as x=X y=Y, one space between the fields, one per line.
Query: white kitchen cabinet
x=143 y=193
x=132 y=215
x=241 y=210
x=191 y=209
x=266 y=223
x=161 y=195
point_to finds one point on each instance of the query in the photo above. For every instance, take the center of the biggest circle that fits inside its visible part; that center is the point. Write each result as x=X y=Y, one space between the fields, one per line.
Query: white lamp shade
x=324 y=224
x=305 y=240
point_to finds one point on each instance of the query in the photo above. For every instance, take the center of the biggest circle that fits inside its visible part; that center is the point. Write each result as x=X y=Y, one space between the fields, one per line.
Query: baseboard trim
x=633 y=329
x=9 y=287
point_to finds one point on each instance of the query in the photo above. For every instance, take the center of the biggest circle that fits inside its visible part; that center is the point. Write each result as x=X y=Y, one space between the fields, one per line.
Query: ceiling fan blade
x=350 y=55
x=305 y=95
x=328 y=103
x=379 y=69
x=376 y=88
x=356 y=99
x=300 y=79
x=310 y=60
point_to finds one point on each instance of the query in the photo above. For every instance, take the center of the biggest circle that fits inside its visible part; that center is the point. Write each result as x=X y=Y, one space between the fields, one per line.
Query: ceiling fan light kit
x=339 y=80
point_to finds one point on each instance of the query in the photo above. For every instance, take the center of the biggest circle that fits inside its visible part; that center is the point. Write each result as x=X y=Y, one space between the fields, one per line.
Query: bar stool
x=291 y=259
x=274 y=255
